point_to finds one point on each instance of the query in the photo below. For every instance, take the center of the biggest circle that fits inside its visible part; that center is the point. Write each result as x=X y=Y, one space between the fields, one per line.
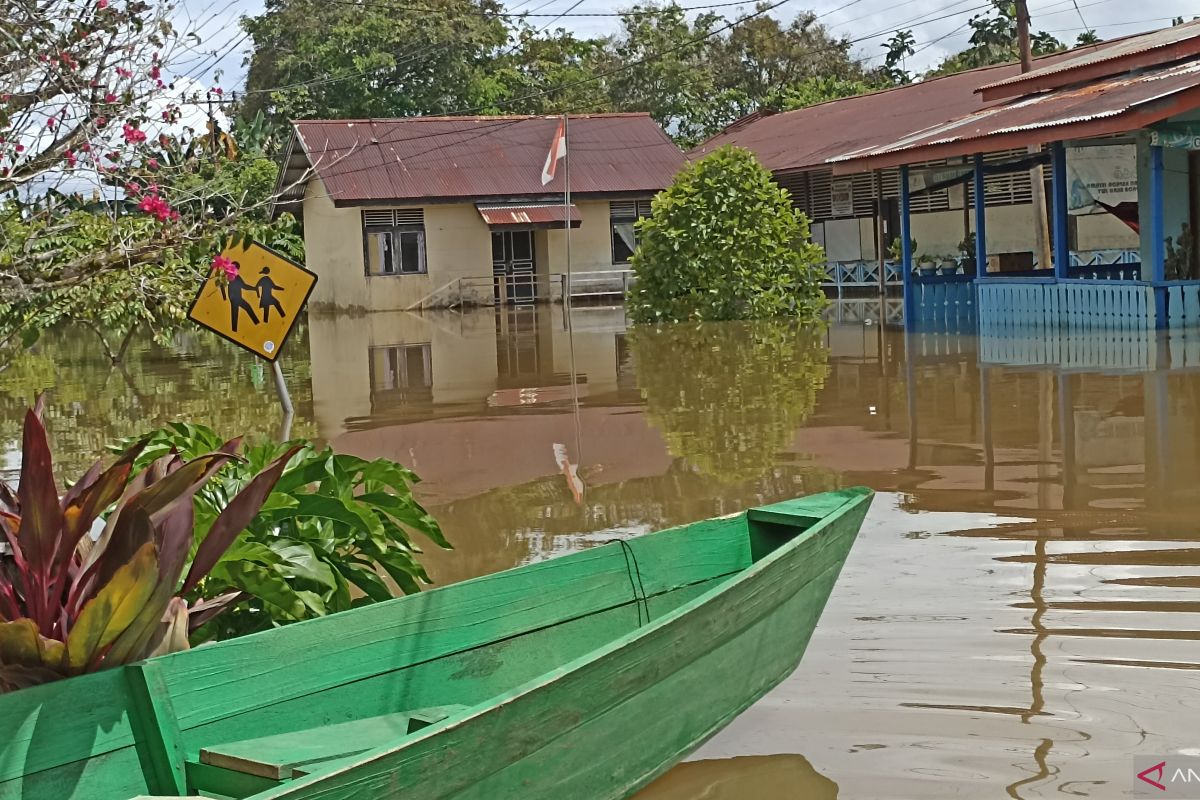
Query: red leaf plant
x=72 y=603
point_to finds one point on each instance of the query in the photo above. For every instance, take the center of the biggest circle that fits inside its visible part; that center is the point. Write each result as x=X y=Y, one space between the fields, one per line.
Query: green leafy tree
x=695 y=78
x=1087 y=37
x=747 y=389
x=899 y=47
x=550 y=73
x=366 y=59
x=994 y=41
x=97 y=223
x=813 y=91
x=724 y=242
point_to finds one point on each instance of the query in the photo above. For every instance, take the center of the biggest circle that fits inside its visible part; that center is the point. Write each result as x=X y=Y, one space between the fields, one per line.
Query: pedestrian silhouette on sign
x=237 y=303
x=267 y=300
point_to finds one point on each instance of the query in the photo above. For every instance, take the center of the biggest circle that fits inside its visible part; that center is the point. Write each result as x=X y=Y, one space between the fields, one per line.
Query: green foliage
x=724 y=242
x=70 y=605
x=812 y=91
x=352 y=60
x=994 y=41
x=746 y=389
x=899 y=47
x=334 y=524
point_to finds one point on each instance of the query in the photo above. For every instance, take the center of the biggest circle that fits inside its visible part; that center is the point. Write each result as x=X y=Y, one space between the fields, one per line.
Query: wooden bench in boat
x=286 y=756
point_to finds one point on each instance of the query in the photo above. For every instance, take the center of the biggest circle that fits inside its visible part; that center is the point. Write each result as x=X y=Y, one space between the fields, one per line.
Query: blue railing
x=1112 y=265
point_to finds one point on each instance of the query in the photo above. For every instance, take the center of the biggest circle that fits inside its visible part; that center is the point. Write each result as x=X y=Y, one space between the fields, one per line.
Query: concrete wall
x=457 y=245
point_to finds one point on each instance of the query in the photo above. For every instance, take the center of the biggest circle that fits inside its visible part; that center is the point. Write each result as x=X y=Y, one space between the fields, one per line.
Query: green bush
x=333 y=524
x=724 y=242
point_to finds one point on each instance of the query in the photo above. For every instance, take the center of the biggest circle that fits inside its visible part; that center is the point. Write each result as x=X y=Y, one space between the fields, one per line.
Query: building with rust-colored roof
x=409 y=213
x=853 y=214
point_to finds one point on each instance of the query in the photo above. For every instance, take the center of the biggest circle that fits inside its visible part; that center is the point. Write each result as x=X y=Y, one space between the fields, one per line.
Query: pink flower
x=152 y=163
x=155 y=72
x=71 y=159
x=102 y=4
x=157 y=207
x=50 y=123
x=20 y=148
x=101 y=122
x=132 y=188
x=132 y=134
x=110 y=98
x=218 y=91
x=124 y=73
x=226 y=266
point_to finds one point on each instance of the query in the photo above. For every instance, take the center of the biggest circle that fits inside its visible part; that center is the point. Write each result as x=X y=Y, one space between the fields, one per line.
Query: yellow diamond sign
x=257 y=308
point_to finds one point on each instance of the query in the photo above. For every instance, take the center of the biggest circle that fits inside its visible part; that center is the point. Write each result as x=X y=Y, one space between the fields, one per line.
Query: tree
x=550 y=73
x=899 y=47
x=994 y=41
x=1087 y=37
x=97 y=224
x=314 y=58
x=812 y=91
x=696 y=77
x=724 y=242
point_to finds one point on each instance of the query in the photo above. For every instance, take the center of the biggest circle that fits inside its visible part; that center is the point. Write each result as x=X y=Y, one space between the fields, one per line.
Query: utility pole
x=1037 y=180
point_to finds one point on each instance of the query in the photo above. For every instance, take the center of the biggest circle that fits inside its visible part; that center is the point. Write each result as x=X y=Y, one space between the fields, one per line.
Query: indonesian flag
x=558 y=151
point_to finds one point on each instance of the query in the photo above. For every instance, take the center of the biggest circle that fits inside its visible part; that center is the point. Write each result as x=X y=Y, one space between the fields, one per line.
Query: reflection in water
x=745 y=390
x=1019 y=618
x=785 y=777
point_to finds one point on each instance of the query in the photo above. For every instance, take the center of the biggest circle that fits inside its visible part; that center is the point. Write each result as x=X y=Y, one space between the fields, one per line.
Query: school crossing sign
x=257 y=307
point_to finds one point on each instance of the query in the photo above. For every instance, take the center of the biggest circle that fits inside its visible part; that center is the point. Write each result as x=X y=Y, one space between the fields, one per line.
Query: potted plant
x=896 y=252
x=927 y=264
x=967 y=248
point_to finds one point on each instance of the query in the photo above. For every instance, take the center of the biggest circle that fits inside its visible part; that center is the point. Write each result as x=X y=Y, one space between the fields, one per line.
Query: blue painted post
x=980 y=219
x=1158 y=234
x=906 y=261
x=1062 y=233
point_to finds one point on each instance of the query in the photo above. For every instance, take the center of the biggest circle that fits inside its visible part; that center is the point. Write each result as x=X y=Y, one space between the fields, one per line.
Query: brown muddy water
x=1019 y=617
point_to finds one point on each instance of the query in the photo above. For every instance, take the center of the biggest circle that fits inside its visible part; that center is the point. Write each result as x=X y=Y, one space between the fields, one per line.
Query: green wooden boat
x=583 y=677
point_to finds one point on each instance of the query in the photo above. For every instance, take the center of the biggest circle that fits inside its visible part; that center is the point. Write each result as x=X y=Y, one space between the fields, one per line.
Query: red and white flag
x=558 y=151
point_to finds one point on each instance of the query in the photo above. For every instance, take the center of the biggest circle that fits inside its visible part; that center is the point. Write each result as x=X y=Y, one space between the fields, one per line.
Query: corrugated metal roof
x=809 y=137
x=533 y=215
x=362 y=162
x=1101 y=108
x=1110 y=58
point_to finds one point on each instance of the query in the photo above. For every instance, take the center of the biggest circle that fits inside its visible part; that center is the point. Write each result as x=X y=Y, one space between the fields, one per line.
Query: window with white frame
x=394 y=241
x=622 y=216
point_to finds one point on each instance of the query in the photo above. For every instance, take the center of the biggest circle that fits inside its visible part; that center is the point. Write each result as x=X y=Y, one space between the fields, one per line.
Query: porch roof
x=1105 y=107
x=528 y=215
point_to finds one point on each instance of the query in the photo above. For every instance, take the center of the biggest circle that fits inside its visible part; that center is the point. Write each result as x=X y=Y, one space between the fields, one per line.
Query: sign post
x=257 y=307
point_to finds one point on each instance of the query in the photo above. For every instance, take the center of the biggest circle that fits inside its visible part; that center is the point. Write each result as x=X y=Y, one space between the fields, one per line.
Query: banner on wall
x=1101 y=179
x=842 y=198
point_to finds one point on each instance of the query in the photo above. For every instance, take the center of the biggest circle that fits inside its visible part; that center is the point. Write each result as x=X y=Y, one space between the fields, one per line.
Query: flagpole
x=567 y=210
x=567 y=298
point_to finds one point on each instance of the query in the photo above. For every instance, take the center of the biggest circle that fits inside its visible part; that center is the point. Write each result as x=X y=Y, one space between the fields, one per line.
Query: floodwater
x=1019 y=617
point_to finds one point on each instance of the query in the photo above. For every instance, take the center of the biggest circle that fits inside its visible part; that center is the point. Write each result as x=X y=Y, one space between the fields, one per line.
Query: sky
x=940 y=26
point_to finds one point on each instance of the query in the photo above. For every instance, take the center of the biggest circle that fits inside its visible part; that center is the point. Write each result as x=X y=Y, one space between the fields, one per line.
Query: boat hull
x=581 y=677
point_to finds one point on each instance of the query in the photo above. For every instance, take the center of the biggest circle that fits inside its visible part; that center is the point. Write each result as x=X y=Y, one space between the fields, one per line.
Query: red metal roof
x=1102 y=108
x=528 y=215
x=370 y=161
x=809 y=137
x=1101 y=61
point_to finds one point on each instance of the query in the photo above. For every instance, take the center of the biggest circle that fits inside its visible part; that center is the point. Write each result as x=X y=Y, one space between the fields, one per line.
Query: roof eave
x=1130 y=120
x=1033 y=83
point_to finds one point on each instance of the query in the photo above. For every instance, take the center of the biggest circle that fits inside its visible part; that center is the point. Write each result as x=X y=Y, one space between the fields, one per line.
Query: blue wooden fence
x=1039 y=304
x=944 y=303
